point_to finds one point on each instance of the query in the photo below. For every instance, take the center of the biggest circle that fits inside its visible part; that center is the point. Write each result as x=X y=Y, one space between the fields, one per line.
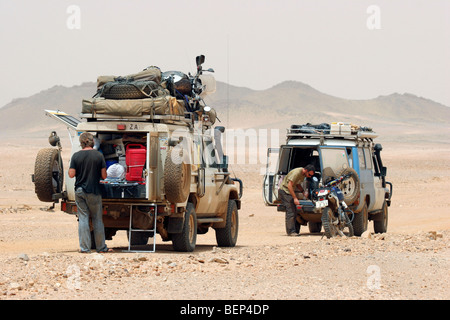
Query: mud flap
x=175 y=225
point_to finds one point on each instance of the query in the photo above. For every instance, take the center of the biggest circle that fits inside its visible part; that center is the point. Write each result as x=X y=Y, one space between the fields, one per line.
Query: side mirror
x=200 y=60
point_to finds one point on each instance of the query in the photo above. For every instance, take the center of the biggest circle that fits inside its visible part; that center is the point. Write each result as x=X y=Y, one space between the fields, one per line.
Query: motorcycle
x=335 y=212
x=191 y=88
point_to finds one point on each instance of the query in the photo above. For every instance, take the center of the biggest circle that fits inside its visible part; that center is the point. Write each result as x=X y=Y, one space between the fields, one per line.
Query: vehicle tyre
x=315 y=227
x=360 y=221
x=227 y=236
x=48 y=174
x=297 y=224
x=350 y=187
x=327 y=223
x=177 y=177
x=185 y=240
x=380 y=220
x=129 y=91
x=139 y=238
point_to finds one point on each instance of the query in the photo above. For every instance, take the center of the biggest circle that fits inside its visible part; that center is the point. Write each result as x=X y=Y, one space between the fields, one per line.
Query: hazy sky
x=353 y=49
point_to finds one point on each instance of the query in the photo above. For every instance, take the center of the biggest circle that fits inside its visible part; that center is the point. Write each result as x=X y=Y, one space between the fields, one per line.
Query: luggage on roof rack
x=163 y=105
x=148 y=74
x=335 y=129
x=311 y=128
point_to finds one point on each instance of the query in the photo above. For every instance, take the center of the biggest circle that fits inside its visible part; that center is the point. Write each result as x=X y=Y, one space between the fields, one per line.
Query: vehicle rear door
x=270 y=190
x=335 y=158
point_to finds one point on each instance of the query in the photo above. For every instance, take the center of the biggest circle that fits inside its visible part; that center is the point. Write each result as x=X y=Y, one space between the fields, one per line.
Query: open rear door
x=271 y=169
x=70 y=121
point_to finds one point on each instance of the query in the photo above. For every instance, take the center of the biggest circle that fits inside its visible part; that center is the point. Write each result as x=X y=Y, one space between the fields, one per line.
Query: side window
x=362 y=161
x=350 y=157
x=285 y=156
x=368 y=158
x=210 y=154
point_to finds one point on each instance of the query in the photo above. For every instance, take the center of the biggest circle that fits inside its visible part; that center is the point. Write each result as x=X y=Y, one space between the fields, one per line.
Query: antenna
x=228 y=78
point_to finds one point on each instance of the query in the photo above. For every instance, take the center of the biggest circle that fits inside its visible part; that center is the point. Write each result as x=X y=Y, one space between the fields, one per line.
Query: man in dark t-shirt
x=88 y=167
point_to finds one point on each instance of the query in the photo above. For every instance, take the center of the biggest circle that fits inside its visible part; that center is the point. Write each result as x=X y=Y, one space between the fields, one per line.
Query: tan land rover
x=166 y=170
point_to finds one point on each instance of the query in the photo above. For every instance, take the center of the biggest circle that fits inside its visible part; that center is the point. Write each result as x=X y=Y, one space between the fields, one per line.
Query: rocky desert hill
x=287 y=103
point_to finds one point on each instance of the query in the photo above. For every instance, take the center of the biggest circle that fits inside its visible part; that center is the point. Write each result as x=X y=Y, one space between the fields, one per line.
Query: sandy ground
x=39 y=256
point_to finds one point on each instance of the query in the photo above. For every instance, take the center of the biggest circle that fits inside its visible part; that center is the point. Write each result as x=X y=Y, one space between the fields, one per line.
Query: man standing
x=288 y=197
x=88 y=166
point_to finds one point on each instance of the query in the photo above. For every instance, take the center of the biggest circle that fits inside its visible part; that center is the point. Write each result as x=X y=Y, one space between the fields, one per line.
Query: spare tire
x=177 y=176
x=48 y=174
x=130 y=90
x=350 y=187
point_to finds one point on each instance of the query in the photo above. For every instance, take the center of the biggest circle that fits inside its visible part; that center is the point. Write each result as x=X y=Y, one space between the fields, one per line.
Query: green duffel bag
x=152 y=73
x=163 y=105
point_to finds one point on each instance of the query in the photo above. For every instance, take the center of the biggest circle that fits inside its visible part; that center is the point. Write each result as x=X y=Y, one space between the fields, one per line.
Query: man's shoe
x=293 y=234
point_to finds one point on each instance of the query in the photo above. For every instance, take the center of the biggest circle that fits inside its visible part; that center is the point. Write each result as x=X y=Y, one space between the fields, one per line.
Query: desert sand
x=39 y=256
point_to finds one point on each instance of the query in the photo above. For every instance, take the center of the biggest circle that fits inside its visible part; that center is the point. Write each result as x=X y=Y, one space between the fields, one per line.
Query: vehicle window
x=285 y=155
x=210 y=154
x=335 y=158
x=368 y=158
x=362 y=161
x=301 y=157
x=272 y=162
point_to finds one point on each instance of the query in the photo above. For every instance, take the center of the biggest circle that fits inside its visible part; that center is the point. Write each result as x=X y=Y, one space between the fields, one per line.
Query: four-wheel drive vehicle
x=334 y=150
x=166 y=170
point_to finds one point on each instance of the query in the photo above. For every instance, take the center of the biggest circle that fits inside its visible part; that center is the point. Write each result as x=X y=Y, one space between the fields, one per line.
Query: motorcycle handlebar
x=338 y=180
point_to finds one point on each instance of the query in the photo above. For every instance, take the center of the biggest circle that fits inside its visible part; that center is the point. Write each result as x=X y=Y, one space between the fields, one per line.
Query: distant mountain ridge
x=286 y=103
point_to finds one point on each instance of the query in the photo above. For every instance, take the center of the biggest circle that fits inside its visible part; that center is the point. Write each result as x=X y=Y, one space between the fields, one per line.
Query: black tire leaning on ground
x=177 y=176
x=48 y=174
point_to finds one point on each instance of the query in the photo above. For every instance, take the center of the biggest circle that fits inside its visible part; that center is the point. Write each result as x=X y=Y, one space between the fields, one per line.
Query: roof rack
x=187 y=117
x=333 y=130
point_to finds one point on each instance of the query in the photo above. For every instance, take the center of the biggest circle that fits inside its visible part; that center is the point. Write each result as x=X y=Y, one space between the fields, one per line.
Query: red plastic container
x=135 y=157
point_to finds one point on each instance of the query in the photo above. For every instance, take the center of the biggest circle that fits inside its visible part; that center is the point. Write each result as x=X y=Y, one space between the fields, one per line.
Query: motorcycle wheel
x=331 y=229
x=347 y=226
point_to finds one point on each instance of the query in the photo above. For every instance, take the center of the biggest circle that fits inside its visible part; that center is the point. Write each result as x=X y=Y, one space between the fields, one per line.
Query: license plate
x=322 y=204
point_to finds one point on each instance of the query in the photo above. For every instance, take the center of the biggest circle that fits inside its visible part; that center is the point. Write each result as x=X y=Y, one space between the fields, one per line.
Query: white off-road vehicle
x=334 y=149
x=166 y=170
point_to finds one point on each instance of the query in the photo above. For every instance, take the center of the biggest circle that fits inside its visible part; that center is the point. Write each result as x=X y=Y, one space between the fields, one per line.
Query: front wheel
x=380 y=221
x=328 y=218
x=227 y=236
x=347 y=226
